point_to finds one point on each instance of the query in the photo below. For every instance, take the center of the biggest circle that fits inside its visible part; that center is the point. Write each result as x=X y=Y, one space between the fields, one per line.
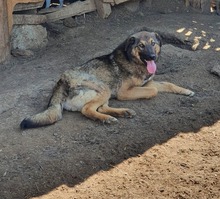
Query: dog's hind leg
x=90 y=108
x=169 y=87
x=118 y=112
x=90 y=111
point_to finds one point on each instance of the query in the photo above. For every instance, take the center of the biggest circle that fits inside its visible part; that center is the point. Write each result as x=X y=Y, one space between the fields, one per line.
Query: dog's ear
x=159 y=39
x=128 y=47
x=129 y=42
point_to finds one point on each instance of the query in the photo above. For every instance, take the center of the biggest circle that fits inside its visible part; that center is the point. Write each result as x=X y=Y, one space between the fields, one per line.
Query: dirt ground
x=171 y=149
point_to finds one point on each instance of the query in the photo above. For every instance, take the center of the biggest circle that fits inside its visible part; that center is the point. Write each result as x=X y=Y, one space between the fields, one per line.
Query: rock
x=22 y=53
x=132 y=5
x=70 y=22
x=28 y=37
x=147 y=3
x=216 y=70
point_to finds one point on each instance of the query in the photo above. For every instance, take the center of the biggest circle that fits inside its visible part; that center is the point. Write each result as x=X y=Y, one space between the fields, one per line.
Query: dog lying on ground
x=124 y=74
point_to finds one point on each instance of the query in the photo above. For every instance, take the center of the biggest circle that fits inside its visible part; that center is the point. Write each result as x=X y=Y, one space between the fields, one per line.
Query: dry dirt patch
x=186 y=166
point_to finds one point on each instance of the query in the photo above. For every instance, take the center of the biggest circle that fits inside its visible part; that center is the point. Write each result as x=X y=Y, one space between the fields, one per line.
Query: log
x=119 y=1
x=10 y=8
x=108 y=1
x=28 y=6
x=104 y=9
x=20 y=19
x=77 y=8
x=4 y=32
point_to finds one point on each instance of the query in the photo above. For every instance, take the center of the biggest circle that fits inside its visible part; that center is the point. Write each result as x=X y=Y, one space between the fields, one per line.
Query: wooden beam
x=20 y=19
x=120 y=1
x=10 y=8
x=48 y=10
x=104 y=9
x=108 y=1
x=28 y=6
x=4 y=32
x=77 y=8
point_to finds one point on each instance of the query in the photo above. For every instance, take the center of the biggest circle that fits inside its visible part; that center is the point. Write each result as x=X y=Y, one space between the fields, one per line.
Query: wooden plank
x=108 y=1
x=104 y=9
x=4 y=32
x=48 y=10
x=20 y=19
x=120 y=1
x=28 y=6
x=77 y=8
x=10 y=7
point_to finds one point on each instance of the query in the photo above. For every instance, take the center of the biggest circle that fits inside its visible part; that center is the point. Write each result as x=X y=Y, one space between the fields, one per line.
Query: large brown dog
x=125 y=74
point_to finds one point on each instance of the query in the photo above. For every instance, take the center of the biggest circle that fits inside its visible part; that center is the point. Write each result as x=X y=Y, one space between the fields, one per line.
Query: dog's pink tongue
x=151 y=67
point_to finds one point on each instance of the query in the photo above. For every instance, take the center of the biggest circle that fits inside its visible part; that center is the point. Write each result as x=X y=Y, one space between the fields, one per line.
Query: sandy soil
x=171 y=149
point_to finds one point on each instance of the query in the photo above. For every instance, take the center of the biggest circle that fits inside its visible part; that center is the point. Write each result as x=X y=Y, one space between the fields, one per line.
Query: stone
x=28 y=37
x=22 y=53
x=216 y=70
x=132 y=5
x=147 y=3
x=70 y=22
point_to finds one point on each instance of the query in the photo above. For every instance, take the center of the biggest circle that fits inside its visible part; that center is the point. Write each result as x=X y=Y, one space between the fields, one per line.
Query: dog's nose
x=152 y=56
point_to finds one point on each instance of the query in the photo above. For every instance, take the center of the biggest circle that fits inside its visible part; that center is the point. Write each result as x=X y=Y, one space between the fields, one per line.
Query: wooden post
x=6 y=23
x=4 y=31
x=77 y=8
x=104 y=9
x=10 y=7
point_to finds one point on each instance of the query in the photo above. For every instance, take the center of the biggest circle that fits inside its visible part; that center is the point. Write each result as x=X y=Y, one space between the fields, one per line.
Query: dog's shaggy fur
x=125 y=74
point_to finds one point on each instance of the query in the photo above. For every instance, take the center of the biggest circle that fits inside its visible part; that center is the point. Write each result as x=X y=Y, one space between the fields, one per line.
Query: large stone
x=132 y=5
x=147 y=3
x=216 y=70
x=28 y=37
x=22 y=53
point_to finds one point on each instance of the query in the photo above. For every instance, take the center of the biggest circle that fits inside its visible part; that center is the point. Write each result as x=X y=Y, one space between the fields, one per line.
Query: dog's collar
x=148 y=79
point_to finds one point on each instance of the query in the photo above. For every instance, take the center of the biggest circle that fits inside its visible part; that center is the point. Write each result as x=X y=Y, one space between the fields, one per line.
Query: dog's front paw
x=190 y=93
x=110 y=120
x=129 y=113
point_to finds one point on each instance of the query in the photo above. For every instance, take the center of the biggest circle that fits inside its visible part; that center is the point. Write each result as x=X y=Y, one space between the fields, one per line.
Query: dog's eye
x=153 y=43
x=141 y=45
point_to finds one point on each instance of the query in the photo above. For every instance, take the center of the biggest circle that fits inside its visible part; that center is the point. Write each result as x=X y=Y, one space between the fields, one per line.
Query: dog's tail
x=53 y=112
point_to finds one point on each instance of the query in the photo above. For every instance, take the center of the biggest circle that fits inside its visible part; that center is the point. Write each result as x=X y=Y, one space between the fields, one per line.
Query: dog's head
x=144 y=48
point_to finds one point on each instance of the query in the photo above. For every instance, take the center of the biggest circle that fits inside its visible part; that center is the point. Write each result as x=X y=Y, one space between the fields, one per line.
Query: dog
x=125 y=74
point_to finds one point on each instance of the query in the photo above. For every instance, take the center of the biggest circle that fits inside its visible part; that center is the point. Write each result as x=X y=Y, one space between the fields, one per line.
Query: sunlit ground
x=186 y=166
x=190 y=34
